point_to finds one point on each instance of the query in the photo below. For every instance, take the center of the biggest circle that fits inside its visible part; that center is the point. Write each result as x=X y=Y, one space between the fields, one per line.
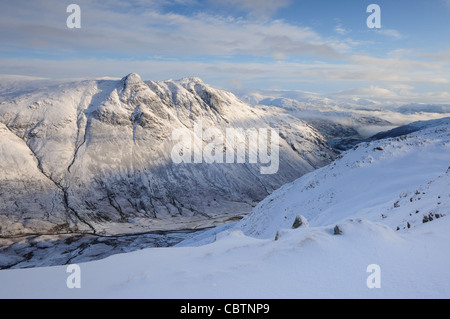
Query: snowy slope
x=371 y=194
x=395 y=181
x=410 y=128
x=20 y=172
x=307 y=263
x=104 y=147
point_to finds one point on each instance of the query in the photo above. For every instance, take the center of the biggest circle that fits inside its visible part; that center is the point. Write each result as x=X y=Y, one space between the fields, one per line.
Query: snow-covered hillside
x=99 y=154
x=410 y=128
x=398 y=182
x=383 y=205
x=306 y=263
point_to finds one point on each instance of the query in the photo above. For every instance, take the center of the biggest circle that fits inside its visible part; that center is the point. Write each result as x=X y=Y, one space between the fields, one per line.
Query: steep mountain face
x=25 y=189
x=95 y=156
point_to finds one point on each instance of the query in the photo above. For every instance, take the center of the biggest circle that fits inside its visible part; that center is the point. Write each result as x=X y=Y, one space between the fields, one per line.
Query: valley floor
x=52 y=250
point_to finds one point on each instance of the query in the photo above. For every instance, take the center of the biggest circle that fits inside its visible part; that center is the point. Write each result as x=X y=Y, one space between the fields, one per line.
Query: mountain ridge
x=105 y=147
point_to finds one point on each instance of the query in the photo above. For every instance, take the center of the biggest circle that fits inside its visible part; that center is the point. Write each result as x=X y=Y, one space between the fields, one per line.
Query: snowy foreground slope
x=389 y=199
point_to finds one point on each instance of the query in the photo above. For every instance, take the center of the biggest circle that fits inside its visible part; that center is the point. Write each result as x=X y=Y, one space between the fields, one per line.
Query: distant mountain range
x=345 y=120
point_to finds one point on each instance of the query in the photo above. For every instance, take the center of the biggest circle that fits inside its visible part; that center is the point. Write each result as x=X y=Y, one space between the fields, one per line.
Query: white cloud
x=401 y=88
x=401 y=53
x=367 y=92
x=255 y=7
x=390 y=33
x=443 y=56
x=341 y=30
x=160 y=45
x=282 y=73
x=397 y=63
x=132 y=33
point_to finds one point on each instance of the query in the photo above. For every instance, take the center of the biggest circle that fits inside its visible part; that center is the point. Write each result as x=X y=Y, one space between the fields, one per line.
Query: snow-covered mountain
x=424 y=108
x=94 y=156
x=373 y=224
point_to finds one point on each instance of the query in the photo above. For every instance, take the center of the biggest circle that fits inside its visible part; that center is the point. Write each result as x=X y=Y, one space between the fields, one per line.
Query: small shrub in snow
x=337 y=230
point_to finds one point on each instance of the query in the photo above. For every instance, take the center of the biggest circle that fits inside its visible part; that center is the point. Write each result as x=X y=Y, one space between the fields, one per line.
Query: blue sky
x=311 y=45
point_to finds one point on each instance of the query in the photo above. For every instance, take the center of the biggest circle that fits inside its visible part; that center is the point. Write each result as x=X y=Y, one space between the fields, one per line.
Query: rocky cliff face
x=94 y=156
